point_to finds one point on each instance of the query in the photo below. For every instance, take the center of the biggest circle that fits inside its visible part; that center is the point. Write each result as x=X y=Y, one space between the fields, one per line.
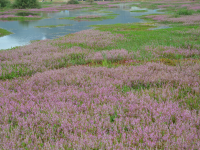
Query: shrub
x=90 y=1
x=73 y=2
x=4 y=3
x=184 y=12
x=21 y=4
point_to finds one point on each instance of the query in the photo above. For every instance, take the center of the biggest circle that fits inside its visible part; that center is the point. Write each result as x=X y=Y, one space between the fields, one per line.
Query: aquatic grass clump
x=4 y=32
x=80 y=107
x=139 y=11
x=112 y=14
x=125 y=27
x=89 y=18
x=53 y=26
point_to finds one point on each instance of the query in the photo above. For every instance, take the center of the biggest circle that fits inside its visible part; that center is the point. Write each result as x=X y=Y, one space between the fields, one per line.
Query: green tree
x=21 y=4
x=90 y=1
x=73 y=2
x=4 y=3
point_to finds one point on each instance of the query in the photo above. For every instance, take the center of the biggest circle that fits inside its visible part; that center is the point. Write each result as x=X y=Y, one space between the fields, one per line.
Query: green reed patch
x=53 y=26
x=14 y=71
x=139 y=85
x=124 y=27
x=139 y=11
x=77 y=58
x=113 y=116
x=89 y=18
x=21 y=18
x=112 y=14
x=184 y=12
x=4 y=32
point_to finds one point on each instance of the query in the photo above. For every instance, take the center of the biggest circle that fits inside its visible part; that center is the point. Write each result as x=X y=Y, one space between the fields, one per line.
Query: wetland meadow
x=102 y=75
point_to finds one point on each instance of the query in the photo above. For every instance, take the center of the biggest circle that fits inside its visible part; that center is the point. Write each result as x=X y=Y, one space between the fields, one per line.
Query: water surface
x=25 y=32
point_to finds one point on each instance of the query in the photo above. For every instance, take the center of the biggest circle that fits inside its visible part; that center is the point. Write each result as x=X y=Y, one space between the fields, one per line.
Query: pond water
x=25 y=32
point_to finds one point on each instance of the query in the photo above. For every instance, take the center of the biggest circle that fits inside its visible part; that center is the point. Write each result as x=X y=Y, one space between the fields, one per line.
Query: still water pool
x=25 y=31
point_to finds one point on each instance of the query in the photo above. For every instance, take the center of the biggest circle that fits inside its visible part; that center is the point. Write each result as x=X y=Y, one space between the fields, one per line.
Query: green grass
x=4 y=32
x=139 y=11
x=184 y=12
x=113 y=14
x=90 y=19
x=53 y=26
x=138 y=36
x=21 y=18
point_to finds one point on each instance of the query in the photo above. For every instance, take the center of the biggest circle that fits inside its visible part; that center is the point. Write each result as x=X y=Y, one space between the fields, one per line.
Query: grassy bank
x=117 y=86
x=4 y=32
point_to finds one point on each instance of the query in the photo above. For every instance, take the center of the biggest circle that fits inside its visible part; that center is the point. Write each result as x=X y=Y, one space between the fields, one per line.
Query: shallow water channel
x=25 y=32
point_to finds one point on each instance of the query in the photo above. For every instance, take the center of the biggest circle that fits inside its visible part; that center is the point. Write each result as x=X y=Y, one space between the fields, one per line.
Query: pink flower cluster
x=191 y=19
x=6 y=16
x=195 y=7
x=160 y=51
x=110 y=55
x=194 y=19
x=158 y=17
x=11 y=16
x=91 y=38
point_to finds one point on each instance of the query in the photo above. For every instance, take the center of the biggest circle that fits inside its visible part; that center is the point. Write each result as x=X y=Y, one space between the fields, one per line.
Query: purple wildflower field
x=83 y=107
x=74 y=107
x=67 y=97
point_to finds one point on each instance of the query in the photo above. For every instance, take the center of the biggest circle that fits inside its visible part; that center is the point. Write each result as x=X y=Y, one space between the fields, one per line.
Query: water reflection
x=25 y=31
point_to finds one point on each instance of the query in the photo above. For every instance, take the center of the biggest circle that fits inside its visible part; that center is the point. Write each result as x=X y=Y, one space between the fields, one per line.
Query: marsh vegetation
x=116 y=86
